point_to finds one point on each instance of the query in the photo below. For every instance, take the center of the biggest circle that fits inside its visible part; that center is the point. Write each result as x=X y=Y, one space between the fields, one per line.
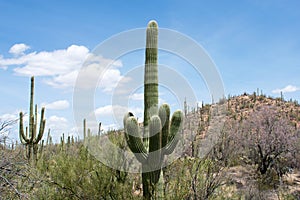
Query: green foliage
x=74 y=174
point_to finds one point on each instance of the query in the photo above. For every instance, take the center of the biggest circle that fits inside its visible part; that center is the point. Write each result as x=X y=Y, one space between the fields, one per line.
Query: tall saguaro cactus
x=32 y=138
x=159 y=136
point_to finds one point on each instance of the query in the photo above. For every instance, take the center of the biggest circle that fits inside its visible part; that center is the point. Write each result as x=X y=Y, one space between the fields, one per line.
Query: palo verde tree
x=32 y=136
x=159 y=137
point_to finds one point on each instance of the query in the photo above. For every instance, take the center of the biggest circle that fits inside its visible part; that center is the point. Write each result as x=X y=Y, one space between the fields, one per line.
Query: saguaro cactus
x=159 y=135
x=32 y=139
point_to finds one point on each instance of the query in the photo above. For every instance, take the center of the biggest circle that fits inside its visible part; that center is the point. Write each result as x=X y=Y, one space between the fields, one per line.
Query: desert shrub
x=194 y=179
x=75 y=174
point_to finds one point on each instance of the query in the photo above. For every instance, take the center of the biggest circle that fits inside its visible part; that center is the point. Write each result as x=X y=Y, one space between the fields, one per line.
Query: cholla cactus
x=32 y=138
x=159 y=135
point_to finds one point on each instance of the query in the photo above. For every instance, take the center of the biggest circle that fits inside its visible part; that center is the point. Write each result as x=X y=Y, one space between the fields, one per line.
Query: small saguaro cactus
x=159 y=135
x=34 y=136
x=84 y=129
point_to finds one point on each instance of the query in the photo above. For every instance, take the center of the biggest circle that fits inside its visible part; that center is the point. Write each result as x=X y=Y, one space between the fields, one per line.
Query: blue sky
x=254 y=44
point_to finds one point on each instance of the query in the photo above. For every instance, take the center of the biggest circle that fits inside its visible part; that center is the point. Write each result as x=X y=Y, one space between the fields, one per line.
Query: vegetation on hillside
x=255 y=157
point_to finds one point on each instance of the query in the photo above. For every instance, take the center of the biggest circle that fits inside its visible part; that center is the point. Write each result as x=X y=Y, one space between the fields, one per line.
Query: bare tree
x=11 y=170
x=207 y=177
x=268 y=139
x=225 y=150
x=5 y=125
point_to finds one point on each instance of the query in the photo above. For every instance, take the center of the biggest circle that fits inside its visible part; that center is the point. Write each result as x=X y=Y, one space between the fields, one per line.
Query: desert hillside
x=216 y=162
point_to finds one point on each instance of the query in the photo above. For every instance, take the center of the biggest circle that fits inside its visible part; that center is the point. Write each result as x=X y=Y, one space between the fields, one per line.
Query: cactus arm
x=175 y=129
x=134 y=140
x=35 y=122
x=164 y=115
x=48 y=137
x=42 y=127
x=155 y=156
x=155 y=150
x=22 y=136
x=130 y=141
x=126 y=116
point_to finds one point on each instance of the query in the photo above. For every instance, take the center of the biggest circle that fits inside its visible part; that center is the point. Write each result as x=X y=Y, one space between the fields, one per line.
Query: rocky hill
x=203 y=126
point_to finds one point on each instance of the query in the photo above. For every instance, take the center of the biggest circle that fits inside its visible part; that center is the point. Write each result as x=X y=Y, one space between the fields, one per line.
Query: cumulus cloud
x=8 y=117
x=56 y=105
x=110 y=110
x=57 y=123
x=66 y=80
x=95 y=74
x=117 y=112
x=140 y=97
x=61 y=67
x=1 y=65
x=50 y=63
x=56 y=119
x=287 y=89
x=8 y=123
x=18 y=49
x=108 y=127
x=137 y=96
x=110 y=80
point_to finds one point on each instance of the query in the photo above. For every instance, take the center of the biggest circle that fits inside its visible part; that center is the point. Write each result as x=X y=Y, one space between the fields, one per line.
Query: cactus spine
x=159 y=135
x=32 y=138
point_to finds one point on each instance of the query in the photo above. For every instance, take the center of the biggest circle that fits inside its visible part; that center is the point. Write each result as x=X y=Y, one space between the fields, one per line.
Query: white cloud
x=56 y=105
x=137 y=96
x=8 y=117
x=287 y=89
x=1 y=65
x=118 y=111
x=107 y=127
x=95 y=74
x=52 y=63
x=63 y=81
x=56 y=119
x=140 y=97
x=110 y=80
x=61 y=67
x=110 y=110
x=56 y=123
x=18 y=49
x=48 y=63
